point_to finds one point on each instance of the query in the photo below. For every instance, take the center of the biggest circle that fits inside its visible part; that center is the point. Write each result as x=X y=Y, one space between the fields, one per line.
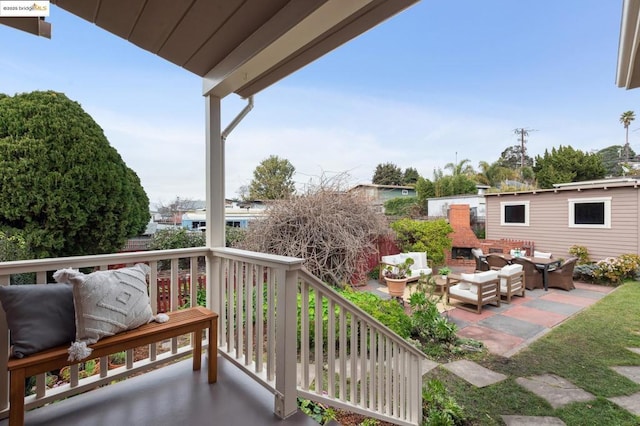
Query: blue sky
x=443 y=81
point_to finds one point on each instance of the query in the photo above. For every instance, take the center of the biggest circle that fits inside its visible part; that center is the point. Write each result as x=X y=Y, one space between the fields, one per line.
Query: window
x=590 y=212
x=514 y=213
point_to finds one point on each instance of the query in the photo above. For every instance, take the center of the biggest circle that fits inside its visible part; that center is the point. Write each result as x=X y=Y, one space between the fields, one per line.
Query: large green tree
x=388 y=174
x=565 y=164
x=272 y=180
x=63 y=188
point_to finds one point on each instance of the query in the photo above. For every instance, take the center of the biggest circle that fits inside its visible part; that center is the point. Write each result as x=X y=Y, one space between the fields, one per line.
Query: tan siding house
x=600 y=215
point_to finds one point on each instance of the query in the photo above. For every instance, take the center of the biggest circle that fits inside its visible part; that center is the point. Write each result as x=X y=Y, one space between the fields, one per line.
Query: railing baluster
x=318 y=342
x=249 y=310
x=343 y=354
x=331 y=350
x=271 y=329
x=260 y=302
x=304 y=335
x=239 y=298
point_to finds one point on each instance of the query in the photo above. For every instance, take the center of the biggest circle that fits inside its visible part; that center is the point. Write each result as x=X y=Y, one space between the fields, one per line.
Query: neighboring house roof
x=373 y=185
x=578 y=186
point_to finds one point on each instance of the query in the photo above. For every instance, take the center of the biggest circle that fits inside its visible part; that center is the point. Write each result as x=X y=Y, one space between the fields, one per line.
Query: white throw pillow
x=474 y=289
x=106 y=303
x=477 y=252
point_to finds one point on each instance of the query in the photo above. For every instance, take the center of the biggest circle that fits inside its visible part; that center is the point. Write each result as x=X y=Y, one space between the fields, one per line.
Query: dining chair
x=532 y=275
x=562 y=277
x=496 y=261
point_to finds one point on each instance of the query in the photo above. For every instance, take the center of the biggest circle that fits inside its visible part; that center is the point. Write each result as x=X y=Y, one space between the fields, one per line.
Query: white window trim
x=607 y=212
x=503 y=204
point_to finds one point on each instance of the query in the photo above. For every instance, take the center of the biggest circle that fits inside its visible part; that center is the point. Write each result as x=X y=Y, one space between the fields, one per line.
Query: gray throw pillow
x=39 y=316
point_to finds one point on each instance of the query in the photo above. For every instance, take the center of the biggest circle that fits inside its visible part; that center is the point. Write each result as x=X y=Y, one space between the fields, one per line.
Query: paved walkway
x=507 y=329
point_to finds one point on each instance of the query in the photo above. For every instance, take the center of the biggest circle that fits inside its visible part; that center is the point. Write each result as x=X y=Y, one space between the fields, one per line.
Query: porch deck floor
x=172 y=395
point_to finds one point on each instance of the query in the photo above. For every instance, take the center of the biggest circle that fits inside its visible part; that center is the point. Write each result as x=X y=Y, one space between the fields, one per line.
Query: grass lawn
x=581 y=350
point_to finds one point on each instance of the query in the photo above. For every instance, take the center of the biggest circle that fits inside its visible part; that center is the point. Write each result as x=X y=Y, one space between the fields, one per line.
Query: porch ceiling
x=237 y=46
x=628 y=73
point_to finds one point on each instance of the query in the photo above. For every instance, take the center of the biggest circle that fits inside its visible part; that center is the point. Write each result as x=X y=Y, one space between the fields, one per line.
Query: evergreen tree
x=565 y=164
x=64 y=189
x=411 y=176
x=272 y=180
x=388 y=174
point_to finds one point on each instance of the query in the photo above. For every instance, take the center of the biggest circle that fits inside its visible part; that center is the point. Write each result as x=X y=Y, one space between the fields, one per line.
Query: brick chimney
x=460 y=221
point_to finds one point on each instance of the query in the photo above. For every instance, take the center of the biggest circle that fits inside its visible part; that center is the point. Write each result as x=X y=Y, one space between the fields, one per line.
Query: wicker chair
x=532 y=275
x=496 y=261
x=562 y=277
x=481 y=260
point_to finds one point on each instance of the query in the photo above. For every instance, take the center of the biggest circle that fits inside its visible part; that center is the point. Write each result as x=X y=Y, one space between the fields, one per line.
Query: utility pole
x=523 y=133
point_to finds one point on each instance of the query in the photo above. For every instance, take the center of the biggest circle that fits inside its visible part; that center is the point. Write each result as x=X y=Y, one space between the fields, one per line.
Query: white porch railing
x=361 y=366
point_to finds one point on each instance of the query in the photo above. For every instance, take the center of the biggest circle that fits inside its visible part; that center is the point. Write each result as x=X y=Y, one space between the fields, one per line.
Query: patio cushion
x=510 y=270
x=477 y=252
x=106 y=303
x=541 y=254
x=39 y=316
x=479 y=277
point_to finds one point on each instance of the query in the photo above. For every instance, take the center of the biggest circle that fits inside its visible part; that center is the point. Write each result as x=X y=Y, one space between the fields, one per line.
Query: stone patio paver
x=512 y=326
x=496 y=342
x=630 y=403
x=559 y=308
x=474 y=373
x=428 y=365
x=531 y=421
x=554 y=389
x=570 y=298
x=630 y=372
x=635 y=350
x=536 y=316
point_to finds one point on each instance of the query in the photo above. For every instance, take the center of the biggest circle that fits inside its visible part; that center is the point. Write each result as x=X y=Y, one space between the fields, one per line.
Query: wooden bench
x=192 y=320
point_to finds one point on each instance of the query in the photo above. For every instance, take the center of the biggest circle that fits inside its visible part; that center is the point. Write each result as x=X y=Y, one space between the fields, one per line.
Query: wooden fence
x=184 y=290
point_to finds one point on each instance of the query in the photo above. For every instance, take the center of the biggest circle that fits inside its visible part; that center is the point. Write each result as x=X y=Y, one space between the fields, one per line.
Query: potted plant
x=444 y=271
x=397 y=276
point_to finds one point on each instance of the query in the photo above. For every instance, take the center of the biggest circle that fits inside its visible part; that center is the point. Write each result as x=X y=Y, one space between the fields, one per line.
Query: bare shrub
x=333 y=230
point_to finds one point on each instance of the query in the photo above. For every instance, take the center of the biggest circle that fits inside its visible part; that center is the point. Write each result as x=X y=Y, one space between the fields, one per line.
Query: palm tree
x=462 y=168
x=626 y=118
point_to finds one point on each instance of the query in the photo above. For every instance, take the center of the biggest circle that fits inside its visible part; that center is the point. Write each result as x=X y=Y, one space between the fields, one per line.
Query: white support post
x=215 y=199
x=286 y=329
x=214 y=174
